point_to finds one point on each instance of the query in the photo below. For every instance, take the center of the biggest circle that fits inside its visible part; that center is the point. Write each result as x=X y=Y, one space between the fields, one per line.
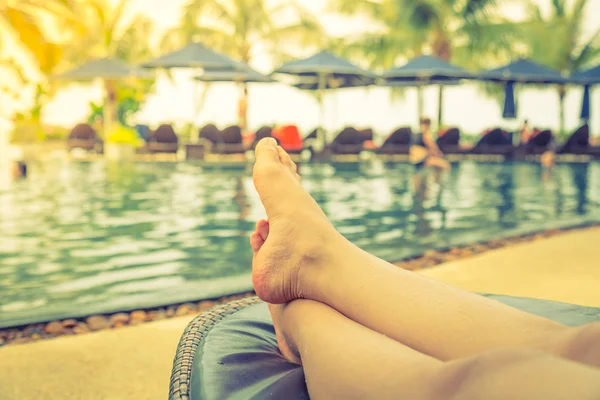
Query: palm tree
x=94 y=29
x=238 y=27
x=104 y=33
x=557 y=40
x=468 y=33
x=21 y=20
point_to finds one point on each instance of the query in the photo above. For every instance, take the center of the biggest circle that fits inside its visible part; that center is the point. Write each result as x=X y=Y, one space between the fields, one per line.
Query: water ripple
x=80 y=236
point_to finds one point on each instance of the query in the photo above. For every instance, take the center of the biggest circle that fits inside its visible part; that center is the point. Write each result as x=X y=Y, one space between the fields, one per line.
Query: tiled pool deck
x=135 y=362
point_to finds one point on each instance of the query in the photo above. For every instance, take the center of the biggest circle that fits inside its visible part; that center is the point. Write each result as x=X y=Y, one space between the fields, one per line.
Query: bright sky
x=464 y=106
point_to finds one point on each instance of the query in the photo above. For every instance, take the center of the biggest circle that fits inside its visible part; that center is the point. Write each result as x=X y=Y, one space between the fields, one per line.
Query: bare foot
x=257 y=239
x=301 y=239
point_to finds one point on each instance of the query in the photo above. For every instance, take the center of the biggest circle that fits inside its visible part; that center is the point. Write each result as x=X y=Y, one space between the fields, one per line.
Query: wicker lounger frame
x=192 y=337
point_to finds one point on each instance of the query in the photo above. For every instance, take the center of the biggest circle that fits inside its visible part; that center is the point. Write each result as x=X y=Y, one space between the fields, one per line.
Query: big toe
x=266 y=152
x=275 y=178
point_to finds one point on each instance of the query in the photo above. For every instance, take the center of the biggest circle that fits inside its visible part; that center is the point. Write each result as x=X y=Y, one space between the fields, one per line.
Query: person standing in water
x=525 y=132
x=424 y=151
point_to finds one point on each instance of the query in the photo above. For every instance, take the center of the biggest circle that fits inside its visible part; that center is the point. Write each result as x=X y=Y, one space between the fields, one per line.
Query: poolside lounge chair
x=311 y=135
x=539 y=142
x=578 y=143
x=348 y=141
x=448 y=141
x=231 y=141
x=83 y=136
x=210 y=133
x=261 y=133
x=495 y=142
x=230 y=352
x=398 y=142
x=288 y=137
x=143 y=132
x=163 y=140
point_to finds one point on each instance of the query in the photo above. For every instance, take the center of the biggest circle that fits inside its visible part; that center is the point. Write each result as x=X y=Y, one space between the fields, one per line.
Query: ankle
x=322 y=266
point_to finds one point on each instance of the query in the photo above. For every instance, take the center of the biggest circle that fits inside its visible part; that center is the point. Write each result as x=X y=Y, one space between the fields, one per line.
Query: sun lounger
x=495 y=142
x=578 y=143
x=261 y=133
x=449 y=141
x=230 y=352
x=163 y=140
x=231 y=142
x=348 y=142
x=83 y=136
x=288 y=137
x=210 y=133
x=397 y=143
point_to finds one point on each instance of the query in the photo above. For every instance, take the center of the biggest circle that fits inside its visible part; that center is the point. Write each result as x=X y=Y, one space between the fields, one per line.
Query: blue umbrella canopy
x=243 y=74
x=325 y=70
x=426 y=69
x=325 y=63
x=524 y=71
x=104 y=68
x=194 y=55
x=334 y=81
x=586 y=103
x=510 y=109
x=591 y=76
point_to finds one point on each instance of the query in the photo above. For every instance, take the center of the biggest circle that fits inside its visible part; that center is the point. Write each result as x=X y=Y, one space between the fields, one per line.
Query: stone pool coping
x=97 y=322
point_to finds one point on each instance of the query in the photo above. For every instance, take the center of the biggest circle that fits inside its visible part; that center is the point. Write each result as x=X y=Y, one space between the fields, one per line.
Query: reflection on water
x=76 y=235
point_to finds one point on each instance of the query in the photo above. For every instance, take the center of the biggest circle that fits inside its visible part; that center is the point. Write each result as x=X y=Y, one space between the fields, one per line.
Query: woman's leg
x=438 y=162
x=304 y=257
x=345 y=360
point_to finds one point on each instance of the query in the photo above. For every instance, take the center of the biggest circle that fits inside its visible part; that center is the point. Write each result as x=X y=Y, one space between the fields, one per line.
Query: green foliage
x=130 y=97
x=236 y=27
x=557 y=41
x=86 y=29
x=469 y=33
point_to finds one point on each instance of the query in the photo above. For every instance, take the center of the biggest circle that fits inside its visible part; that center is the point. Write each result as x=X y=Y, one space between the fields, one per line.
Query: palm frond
x=371 y=8
x=113 y=22
x=132 y=44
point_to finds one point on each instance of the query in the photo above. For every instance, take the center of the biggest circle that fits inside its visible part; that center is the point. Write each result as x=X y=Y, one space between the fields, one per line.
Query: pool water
x=82 y=238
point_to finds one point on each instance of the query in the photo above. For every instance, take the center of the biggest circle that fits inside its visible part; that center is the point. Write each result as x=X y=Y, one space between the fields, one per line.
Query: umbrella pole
x=419 y=103
x=196 y=101
x=321 y=130
x=440 y=106
x=109 y=116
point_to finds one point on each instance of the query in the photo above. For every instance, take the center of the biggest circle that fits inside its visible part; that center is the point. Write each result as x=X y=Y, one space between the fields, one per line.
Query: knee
x=583 y=344
x=470 y=378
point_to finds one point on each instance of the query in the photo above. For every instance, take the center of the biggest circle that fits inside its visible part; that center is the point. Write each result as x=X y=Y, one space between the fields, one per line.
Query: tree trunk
x=441 y=45
x=243 y=100
x=440 y=107
x=562 y=91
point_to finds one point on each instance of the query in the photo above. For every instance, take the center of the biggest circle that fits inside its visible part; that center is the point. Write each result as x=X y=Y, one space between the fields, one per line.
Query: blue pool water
x=82 y=238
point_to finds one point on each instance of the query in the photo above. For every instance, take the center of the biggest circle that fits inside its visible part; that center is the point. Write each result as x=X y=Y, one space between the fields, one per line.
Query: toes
x=256 y=241
x=266 y=152
x=262 y=228
x=286 y=160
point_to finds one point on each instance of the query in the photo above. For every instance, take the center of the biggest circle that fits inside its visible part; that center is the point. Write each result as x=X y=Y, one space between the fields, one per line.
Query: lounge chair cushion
x=240 y=360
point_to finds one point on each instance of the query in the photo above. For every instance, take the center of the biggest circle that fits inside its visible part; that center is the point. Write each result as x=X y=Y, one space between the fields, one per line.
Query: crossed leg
x=417 y=313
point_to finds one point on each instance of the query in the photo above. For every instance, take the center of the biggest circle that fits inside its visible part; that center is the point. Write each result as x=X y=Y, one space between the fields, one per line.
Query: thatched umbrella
x=322 y=71
x=426 y=70
x=109 y=70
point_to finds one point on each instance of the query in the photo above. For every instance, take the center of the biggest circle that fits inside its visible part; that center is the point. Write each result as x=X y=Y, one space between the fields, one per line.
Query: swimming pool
x=83 y=238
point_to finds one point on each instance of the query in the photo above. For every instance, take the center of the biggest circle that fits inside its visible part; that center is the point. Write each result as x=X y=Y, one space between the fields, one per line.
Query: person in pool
x=424 y=151
x=363 y=328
